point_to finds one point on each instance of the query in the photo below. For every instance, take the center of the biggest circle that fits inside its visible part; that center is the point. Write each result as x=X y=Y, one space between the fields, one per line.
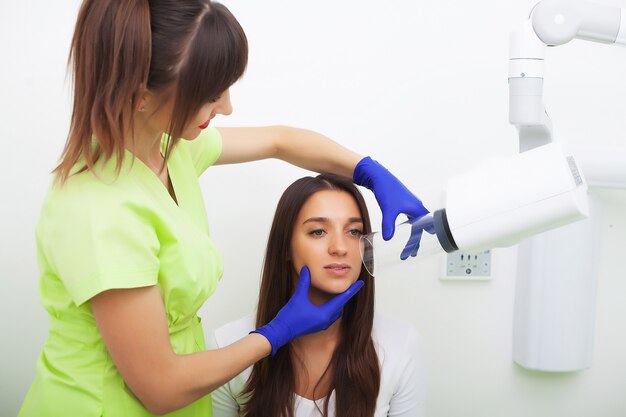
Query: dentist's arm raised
x=316 y=152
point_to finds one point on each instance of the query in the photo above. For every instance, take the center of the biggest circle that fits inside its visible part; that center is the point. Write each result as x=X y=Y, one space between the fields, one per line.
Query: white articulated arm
x=526 y=107
x=552 y=23
x=554 y=312
x=559 y=21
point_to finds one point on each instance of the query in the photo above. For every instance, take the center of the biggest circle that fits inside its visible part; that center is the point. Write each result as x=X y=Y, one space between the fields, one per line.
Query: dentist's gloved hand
x=299 y=317
x=417 y=227
x=392 y=196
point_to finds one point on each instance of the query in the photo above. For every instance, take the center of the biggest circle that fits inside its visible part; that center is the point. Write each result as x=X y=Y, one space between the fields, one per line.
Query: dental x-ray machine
x=536 y=197
x=557 y=270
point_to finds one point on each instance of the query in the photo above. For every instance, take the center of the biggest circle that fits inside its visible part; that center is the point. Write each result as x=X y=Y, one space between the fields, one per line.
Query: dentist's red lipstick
x=205 y=124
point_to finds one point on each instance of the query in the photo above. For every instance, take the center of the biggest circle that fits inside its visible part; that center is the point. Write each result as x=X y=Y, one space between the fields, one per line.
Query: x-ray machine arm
x=552 y=23
x=557 y=270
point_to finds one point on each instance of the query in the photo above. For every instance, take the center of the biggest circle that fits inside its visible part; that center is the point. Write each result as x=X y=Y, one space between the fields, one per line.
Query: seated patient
x=364 y=364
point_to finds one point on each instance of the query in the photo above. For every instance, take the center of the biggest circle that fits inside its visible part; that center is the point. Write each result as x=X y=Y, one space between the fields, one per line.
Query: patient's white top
x=398 y=346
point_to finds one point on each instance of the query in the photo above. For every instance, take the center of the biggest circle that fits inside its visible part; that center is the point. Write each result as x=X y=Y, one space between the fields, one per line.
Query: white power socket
x=467 y=266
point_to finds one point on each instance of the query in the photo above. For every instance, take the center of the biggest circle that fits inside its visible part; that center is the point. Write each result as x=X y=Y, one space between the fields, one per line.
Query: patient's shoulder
x=394 y=334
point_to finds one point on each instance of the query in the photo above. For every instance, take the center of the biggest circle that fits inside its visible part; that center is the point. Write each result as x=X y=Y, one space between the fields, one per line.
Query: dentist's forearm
x=314 y=151
x=202 y=372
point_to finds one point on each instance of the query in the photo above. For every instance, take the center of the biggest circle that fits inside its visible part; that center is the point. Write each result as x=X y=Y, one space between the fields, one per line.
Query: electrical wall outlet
x=467 y=266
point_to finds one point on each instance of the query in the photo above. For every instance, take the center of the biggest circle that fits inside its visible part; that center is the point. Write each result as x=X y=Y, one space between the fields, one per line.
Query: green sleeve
x=205 y=149
x=95 y=244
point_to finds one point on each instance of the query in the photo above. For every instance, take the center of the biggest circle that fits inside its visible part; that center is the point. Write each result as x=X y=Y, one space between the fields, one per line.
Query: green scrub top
x=101 y=232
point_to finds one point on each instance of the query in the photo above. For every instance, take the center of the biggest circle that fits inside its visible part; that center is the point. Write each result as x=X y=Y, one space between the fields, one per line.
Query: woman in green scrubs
x=123 y=240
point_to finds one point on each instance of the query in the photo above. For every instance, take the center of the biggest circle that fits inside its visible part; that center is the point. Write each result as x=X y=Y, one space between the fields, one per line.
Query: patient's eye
x=355 y=232
x=317 y=232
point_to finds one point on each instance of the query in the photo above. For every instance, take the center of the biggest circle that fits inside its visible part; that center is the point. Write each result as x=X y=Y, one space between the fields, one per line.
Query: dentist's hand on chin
x=300 y=317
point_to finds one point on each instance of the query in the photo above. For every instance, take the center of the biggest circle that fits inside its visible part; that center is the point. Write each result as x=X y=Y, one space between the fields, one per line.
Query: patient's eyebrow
x=326 y=220
x=316 y=220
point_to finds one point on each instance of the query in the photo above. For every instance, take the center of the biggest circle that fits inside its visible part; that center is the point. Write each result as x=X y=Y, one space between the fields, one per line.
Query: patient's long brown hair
x=190 y=51
x=354 y=365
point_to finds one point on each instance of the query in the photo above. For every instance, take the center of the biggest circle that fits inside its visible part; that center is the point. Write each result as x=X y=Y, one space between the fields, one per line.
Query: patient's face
x=326 y=239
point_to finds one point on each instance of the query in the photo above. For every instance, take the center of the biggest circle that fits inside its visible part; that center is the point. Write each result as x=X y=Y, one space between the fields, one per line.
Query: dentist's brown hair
x=190 y=51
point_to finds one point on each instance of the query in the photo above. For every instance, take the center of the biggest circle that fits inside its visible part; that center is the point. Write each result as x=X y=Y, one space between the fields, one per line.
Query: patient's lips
x=338 y=269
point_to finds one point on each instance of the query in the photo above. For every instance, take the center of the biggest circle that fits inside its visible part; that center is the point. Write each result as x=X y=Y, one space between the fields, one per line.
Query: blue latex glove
x=392 y=196
x=417 y=227
x=299 y=317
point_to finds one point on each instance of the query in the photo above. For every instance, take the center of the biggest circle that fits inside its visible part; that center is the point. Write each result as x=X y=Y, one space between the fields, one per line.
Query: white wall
x=420 y=86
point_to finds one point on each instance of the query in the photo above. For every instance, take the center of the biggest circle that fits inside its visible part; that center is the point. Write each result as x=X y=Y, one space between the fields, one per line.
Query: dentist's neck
x=145 y=144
